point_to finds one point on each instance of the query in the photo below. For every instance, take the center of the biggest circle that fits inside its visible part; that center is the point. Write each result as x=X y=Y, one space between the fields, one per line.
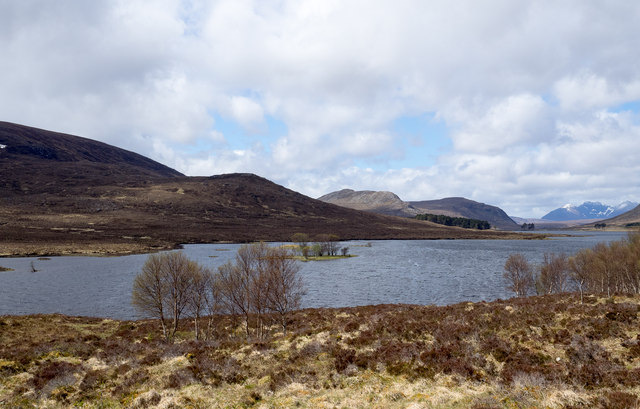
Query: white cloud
x=515 y=120
x=527 y=91
x=590 y=91
x=246 y=111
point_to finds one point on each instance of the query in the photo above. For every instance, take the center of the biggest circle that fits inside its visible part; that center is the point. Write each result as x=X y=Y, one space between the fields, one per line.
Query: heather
x=546 y=351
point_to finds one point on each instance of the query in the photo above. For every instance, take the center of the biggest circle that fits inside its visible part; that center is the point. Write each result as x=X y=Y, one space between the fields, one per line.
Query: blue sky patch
x=422 y=139
x=633 y=106
x=240 y=138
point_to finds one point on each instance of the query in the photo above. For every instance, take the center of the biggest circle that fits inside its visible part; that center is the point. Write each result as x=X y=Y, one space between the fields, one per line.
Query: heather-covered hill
x=389 y=203
x=373 y=201
x=38 y=161
x=62 y=194
x=461 y=207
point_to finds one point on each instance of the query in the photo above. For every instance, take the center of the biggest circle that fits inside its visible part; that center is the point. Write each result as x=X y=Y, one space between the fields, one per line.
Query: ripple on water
x=415 y=272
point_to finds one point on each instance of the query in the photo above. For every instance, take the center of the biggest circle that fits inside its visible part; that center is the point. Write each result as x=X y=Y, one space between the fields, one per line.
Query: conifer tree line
x=455 y=221
x=612 y=268
x=261 y=286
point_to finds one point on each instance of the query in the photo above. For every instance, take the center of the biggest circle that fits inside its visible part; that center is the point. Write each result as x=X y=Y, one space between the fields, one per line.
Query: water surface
x=391 y=271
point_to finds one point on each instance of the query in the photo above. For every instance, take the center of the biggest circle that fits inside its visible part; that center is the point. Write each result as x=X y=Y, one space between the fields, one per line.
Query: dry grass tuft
x=550 y=352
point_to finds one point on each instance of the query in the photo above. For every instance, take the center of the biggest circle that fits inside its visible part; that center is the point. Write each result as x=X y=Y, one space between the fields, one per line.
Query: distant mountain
x=372 y=201
x=541 y=224
x=630 y=219
x=461 y=207
x=61 y=193
x=390 y=204
x=588 y=210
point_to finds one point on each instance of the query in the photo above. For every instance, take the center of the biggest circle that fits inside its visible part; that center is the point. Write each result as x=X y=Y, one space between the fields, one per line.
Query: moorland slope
x=389 y=203
x=372 y=201
x=462 y=207
x=63 y=194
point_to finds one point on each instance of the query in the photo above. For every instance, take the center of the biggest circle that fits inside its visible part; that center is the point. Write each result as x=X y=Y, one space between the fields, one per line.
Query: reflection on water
x=417 y=272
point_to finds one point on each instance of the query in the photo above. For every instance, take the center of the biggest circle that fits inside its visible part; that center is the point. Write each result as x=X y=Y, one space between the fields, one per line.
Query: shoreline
x=96 y=248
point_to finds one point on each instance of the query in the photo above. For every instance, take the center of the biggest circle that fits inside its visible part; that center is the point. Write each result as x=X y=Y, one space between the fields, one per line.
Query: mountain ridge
x=629 y=219
x=462 y=207
x=40 y=161
x=98 y=203
x=384 y=202
x=588 y=210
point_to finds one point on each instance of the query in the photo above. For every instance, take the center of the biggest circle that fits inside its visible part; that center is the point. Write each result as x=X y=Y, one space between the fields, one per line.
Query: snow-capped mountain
x=589 y=210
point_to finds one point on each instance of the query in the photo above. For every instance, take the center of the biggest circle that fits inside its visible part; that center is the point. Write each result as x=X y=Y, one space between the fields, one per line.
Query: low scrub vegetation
x=326 y=246
x=612 y=268
x=555 y=350
x=546 y=352
x=263 y=280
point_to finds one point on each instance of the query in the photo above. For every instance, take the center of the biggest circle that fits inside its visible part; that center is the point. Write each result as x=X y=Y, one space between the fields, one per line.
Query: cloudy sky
x=526 y=105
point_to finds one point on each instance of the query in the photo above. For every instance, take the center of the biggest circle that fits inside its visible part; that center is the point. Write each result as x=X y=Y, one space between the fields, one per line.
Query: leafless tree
x=200 y=298
x=601 y=263
x=263 y=280
x=180 y=272
x=150 y=291
x=234 y=292
x=519 y=275
x=326 y=244
x=164 y=287
x=554 y=274
x=632 y=261
x=302 y=240
x=580 y=271
x=322 y=245
x=333 y=244
x=608 y=268
x=238 y=282
x=285 y=286
x=214 y=305
x=253 y=261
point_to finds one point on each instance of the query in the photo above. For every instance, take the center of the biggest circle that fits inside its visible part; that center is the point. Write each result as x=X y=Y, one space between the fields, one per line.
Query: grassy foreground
x=538 y=352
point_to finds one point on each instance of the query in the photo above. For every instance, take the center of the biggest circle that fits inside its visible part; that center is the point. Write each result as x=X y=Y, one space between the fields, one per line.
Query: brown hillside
x=372 y=201
x=38 y=161
x=390 y=204
x=461 y=207
x=74 y=195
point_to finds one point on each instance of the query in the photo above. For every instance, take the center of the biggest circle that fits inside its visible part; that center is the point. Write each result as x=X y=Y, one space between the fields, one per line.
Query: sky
x=525 y=105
